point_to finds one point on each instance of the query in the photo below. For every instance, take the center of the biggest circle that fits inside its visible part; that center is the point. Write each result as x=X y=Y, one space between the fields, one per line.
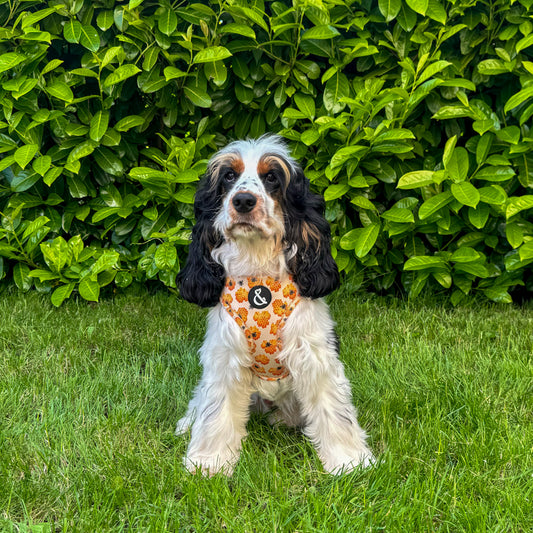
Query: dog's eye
x=271 y=178
x=230 y=176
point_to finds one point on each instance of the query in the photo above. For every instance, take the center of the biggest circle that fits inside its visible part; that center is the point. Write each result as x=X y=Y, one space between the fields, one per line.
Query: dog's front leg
x=220 y=407
x=219 y=426
x=323 y=391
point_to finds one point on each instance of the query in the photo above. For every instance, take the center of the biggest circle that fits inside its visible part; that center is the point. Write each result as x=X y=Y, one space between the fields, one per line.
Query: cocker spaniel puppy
x=260 y=258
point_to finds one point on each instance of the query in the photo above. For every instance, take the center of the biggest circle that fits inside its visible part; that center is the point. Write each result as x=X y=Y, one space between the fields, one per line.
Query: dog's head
x=254 y=190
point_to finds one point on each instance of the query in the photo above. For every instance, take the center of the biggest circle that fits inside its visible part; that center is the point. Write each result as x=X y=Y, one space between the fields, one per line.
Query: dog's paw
x=342 y=463
x=209 y=465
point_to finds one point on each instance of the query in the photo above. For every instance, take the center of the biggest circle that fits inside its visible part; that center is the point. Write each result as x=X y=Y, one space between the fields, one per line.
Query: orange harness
x=261 y=307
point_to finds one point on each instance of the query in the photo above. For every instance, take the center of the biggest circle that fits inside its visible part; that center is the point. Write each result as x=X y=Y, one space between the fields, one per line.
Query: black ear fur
x=201 y=280
x=313 y=267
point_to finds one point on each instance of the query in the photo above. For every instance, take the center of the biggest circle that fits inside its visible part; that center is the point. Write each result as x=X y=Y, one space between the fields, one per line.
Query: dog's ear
x=308 y=238
x=202 y=279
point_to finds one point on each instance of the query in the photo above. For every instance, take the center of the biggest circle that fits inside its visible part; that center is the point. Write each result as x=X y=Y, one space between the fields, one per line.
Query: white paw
x=209 y=465
x=342 y=463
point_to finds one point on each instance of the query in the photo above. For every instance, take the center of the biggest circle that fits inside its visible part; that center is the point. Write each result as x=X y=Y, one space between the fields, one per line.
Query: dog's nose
x=244 y=202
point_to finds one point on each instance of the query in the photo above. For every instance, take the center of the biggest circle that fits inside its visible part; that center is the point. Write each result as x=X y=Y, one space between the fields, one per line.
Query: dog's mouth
x=243 y=228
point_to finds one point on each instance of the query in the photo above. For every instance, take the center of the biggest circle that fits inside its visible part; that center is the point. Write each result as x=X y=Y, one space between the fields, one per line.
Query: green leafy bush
x=412 y=117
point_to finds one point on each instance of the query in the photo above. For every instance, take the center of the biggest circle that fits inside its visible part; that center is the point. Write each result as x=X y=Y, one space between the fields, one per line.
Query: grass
x=90 y=394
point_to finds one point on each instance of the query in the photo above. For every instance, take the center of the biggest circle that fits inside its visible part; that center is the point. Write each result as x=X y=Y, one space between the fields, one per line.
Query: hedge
x=412 y=117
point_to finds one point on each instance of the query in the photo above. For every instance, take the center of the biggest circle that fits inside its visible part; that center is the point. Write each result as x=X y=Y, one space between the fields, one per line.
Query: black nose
x=244 y=202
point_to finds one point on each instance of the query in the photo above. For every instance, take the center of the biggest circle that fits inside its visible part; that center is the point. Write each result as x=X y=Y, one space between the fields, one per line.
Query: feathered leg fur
x=219 y=409
x=322 y=390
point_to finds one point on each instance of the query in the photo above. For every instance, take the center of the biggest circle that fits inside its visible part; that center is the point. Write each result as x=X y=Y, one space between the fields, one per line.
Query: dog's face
x=255 y=190
x=251 y=181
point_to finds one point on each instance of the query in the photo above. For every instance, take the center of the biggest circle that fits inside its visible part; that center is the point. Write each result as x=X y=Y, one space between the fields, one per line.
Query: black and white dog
x=260 y=257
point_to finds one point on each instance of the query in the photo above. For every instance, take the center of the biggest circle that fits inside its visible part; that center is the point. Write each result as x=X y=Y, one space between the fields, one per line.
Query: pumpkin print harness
x=261 y=307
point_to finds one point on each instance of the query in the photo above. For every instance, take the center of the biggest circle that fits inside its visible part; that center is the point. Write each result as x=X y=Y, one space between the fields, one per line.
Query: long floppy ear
x=313 y=267
x=201 y=280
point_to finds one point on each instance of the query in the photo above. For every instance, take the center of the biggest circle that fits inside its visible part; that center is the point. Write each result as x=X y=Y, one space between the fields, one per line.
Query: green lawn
x=90 y=395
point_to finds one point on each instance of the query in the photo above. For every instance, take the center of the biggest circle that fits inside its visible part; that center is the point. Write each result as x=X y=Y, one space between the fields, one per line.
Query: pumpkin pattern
x=262 y=327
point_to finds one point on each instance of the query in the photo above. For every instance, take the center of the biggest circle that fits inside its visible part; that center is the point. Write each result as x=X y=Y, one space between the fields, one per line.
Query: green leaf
x=51 y=65
x=42 y=164
x=239 y=29
x=98 y=125
x=516 y=204
x=363 y=202
x=345 y=154
x=212 y=53
x=217 y=72
x=432 y=69
x=62 y=293
x=336 y=191
x=398 y=214
x=514 y=234
x=475 y=268
x=418 y=178
x=320 y=32
x=419 y=6
x=483 y=147
x=108 y=161
x=423 y=262
x=466 y=193
x=167 y=21
x=165 y=256
x=310 y=136
x=465 y=254
x=337 y=87
x=61 y=91
x=24 y=181
x=491 y=173
x=526 y=251
x=305 y=104
x=198 y=97
x=21 y=277
x=129 y=122
x=458 y=164
x=394 y=135
x=172 y=73
x=389 y=8
x=105 y=20
x=492 y=67
x=72 y=31
x=56 y=254
x=510 y=134
x=366 y=240
x=433 y=204
x=120 y=74
x=479 y=215
x=492 y=195
x=518 y=98
x=82 y=150
x=443 y=278
x=449 y=150
x=24 y=154
x=89 y=290
x=436 y=11
x=9 y=60
x=89 y=38
x=33 y=18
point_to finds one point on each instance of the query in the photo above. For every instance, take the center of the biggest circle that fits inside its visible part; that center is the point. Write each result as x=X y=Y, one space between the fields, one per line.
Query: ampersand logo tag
x=259 y=297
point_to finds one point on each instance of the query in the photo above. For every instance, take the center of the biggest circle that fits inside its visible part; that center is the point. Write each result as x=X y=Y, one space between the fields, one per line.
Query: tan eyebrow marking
x=219 y=160
x=269 y=162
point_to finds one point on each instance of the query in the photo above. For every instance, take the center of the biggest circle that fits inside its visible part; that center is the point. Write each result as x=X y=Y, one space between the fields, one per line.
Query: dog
x=260 y=258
